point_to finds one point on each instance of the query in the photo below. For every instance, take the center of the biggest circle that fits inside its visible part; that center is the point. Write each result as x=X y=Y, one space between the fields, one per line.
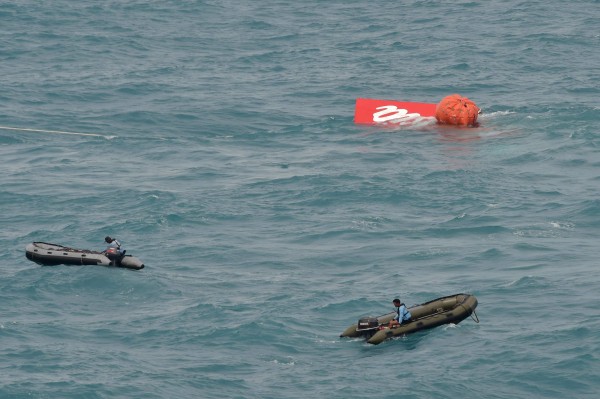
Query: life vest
x=404 y=317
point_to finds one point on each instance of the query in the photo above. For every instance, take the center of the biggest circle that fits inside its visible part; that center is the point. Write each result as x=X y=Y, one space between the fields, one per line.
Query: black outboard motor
x=367 y=326
x=114 y=255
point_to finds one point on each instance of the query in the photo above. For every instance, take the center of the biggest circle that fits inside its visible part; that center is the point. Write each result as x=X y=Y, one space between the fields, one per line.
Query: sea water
x=215 y=140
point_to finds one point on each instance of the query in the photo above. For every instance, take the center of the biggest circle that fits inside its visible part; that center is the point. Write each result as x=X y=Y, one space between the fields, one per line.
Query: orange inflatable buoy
x=457 y=110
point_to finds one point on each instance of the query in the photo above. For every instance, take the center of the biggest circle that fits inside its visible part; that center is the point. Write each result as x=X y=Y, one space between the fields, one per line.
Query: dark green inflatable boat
x=445 y=310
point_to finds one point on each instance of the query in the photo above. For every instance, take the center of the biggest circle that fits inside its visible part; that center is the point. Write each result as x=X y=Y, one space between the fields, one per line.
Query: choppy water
x=223 y=154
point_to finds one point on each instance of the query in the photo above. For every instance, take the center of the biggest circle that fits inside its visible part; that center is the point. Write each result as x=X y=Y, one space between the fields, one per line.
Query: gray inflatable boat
x=445 y=310
x=48 y=254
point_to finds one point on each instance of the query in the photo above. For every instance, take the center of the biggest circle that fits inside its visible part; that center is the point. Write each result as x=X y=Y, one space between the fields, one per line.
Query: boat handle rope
x=476 y=318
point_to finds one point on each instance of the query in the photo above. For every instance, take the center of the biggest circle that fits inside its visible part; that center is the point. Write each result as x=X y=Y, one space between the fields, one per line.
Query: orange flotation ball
x=457 y=110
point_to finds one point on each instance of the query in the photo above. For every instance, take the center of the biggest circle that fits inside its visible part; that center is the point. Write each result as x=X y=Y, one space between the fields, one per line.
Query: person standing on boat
x=114 y=247
x=402 y=314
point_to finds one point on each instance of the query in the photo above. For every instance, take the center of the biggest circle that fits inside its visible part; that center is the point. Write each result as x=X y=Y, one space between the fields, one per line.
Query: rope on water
x=22 y=129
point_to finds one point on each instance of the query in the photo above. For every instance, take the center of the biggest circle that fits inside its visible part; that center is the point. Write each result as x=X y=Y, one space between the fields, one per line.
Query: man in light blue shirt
x=402 y=314
x=114 y=246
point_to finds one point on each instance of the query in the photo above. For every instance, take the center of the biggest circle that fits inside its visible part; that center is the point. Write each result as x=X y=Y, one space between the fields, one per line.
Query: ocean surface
x=216 y=141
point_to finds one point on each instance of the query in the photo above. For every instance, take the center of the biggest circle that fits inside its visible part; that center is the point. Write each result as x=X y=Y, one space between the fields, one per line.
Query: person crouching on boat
x=402 y=314
x=114 y=250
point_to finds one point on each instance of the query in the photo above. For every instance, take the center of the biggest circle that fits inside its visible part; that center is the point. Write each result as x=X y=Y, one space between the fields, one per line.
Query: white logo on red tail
x=393 y=113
